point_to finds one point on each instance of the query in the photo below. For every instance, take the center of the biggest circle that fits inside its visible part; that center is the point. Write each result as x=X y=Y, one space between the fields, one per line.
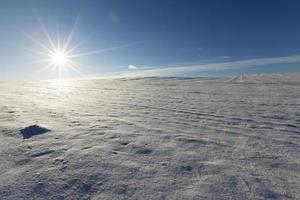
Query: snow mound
x=265 y=78
x=239 y=79
x=33 y=130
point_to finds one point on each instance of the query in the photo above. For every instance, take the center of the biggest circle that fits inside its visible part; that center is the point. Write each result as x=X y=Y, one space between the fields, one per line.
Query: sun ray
x=39 y=52
x=48 y=66
x=40 y=61
x=72 y=67
x=58 y=54
x=78 y=44
x=104 y=50
x=39 y=43
x=70 y=36
x=47 y=35
x=58 y=40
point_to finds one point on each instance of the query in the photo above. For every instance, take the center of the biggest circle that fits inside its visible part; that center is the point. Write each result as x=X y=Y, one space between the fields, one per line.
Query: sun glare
x=59 y=53
x=59 y=58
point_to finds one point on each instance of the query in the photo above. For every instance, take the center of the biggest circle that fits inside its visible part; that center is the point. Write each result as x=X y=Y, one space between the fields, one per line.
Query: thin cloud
x=132 y=67
x=178 y=70
x=225 y=57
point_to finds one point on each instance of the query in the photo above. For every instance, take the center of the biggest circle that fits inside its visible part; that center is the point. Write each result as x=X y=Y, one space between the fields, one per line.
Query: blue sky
x=158 y=37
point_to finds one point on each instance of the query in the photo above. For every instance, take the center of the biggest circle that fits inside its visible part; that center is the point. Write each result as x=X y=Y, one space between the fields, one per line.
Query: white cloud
x=132 y=67
x=225 y=57
x=177 y=70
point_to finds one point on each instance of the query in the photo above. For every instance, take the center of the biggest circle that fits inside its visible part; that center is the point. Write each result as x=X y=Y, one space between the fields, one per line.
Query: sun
x=60 y=59
x=60 y=54
x=57 y=54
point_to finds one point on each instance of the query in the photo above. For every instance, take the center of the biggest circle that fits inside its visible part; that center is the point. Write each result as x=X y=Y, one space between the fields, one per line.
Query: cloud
x=225 y=57
x=132 y=67
x=179 y=70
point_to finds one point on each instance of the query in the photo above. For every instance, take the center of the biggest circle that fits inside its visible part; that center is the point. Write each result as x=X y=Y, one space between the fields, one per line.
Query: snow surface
x=151 y=138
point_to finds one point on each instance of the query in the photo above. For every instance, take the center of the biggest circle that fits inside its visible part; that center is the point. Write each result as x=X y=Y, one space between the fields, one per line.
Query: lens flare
x=59 y=58
x=60 y=54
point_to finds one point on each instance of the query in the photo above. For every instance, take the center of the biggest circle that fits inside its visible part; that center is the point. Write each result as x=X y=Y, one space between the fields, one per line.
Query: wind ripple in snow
x=152 y=138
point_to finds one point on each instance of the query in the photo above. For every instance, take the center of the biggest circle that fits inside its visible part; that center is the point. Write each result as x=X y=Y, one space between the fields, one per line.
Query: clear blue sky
x=157 y=37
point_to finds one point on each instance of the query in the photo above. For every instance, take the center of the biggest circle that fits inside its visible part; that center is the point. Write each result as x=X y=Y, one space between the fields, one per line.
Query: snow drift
x=151 y=138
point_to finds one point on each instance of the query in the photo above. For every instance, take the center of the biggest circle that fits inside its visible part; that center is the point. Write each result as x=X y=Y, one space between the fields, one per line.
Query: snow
x=151 y=138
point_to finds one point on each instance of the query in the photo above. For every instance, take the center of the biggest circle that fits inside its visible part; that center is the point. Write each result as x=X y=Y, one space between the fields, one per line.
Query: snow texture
x=151 y=138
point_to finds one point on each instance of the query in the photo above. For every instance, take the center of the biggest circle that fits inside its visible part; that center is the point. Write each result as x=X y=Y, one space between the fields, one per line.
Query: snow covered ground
x=151 y=138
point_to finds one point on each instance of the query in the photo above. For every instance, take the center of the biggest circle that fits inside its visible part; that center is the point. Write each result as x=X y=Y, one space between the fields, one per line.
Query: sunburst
x=57 y=55
x=60 y=55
